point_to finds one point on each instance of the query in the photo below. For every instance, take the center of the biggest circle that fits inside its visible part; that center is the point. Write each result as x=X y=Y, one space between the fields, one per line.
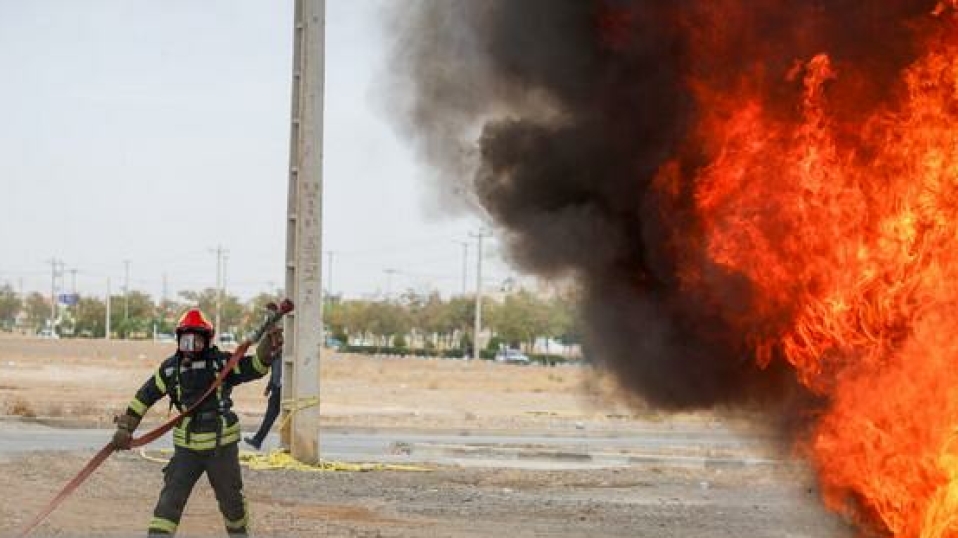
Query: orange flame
x=848 y=235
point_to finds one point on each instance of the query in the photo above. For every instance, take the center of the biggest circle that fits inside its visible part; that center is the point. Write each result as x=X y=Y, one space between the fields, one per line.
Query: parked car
x=512 y=356
x=165 y=338
x=227 y=340
x=47 y=333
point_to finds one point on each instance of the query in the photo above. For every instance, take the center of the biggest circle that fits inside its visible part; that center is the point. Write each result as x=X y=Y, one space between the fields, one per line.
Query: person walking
x=273 y=391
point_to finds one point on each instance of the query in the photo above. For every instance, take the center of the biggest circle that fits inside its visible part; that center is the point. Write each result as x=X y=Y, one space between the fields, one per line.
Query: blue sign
x=69 y=299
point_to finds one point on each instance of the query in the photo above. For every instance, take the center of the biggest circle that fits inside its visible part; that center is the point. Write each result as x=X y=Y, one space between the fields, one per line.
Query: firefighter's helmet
x=194 y=321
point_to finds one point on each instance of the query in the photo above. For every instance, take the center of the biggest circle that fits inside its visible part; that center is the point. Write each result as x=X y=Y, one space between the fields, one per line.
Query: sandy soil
x=59 y=378
x=453 y=502
x=86 y=382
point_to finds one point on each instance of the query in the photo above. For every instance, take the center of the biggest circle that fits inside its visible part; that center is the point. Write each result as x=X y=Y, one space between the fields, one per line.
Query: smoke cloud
x=576 y=126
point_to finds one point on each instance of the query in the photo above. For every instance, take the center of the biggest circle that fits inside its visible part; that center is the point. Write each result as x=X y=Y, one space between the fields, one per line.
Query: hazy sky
x=153 y=131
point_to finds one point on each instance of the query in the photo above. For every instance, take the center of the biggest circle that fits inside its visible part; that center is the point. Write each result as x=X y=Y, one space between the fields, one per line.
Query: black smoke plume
x=555 y=117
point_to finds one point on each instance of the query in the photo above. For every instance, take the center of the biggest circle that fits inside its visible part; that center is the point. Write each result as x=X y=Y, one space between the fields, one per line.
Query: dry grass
x=21 y=408
x=92 y=380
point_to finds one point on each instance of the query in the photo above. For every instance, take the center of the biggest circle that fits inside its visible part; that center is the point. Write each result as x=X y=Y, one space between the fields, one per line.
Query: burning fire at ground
x=772 y=180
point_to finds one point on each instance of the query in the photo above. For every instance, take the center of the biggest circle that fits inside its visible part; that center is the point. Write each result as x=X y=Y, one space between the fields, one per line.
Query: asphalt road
x=680 y=447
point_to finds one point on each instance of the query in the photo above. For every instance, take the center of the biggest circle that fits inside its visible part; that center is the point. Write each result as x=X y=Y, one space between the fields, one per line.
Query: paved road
x=689 y=446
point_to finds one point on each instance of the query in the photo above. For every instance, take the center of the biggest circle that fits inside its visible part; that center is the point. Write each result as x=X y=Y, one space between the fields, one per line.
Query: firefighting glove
x=125 y=426
x=270 y=347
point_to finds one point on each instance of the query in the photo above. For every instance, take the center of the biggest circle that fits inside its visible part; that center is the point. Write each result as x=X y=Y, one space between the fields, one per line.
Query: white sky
x=152 y=131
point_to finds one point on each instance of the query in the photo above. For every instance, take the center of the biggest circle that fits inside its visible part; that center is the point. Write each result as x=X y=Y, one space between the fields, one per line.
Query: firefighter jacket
x=213 y=423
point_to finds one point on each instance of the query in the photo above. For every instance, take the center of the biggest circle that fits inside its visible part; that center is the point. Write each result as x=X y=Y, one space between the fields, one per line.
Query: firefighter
x=206 y=439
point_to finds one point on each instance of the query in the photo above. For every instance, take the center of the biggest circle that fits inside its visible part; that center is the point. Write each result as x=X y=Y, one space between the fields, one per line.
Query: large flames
x=846 y=228
x=759 y=198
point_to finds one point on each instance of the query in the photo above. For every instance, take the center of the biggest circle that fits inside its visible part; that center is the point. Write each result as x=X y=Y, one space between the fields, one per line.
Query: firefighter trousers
x=222 y=468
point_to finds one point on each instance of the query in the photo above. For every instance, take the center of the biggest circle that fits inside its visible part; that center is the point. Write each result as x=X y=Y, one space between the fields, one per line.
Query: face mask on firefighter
x=192 y=342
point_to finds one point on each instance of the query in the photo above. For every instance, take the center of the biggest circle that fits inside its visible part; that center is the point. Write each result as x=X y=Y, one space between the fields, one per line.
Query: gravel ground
x=445 y=501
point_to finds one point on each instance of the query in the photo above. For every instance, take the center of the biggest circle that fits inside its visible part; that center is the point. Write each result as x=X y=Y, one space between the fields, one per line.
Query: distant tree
x=254 y=311
x=232 y=311
x=387 y=319
x=9 y=306
x=141 y=306
x=38 y=310
x=204 y=300
x=356 y=319
x=336 y=318
x=90 y=318
x=520 y=318
x=431 y=317
x=460 y=317
x=567 y=318
x=132 y=314
x=168 y=312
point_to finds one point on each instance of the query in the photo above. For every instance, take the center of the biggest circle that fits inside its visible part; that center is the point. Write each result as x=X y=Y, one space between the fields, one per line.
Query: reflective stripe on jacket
x=213 y=423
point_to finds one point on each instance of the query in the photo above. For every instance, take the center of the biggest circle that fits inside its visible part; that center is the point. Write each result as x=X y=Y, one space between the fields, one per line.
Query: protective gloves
x=125 y=426
x=270 y=347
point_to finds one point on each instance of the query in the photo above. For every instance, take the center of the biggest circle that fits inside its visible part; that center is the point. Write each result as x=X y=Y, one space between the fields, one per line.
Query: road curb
x=598 y=458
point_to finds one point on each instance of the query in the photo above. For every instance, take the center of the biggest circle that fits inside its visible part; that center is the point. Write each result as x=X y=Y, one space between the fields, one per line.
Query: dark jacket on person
x=213 y=423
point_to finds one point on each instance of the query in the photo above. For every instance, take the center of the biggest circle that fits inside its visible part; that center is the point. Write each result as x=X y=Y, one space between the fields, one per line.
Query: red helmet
x=194 y=321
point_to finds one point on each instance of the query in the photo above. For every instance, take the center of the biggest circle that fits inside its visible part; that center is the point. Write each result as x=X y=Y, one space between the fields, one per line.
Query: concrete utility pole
x=465 y=258
x=226 y=262
x=109 y=299
x=304 y=327
x=54 y=263
x=477 y=329
x=389 y=281
x=126 y=291
x=220 y=254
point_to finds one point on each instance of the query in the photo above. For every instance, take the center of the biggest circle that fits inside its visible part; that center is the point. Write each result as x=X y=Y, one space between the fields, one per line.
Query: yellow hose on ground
x=282 y=459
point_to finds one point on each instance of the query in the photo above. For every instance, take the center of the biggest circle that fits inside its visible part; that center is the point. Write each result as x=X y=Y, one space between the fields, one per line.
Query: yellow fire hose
x=282 y=459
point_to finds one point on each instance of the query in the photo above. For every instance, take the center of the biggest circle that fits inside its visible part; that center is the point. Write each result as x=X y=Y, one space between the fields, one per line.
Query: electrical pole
x=465 y=257
x=389 y=281
x=73 y=281
x=109 y=300
x=126 y=291
x=226 y=259
x=477 y=329
x=304 y=326
x=53 y=293
x=220 y=254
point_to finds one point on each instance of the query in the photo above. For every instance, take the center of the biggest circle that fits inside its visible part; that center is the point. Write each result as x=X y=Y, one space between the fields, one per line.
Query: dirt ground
x=83 y=383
